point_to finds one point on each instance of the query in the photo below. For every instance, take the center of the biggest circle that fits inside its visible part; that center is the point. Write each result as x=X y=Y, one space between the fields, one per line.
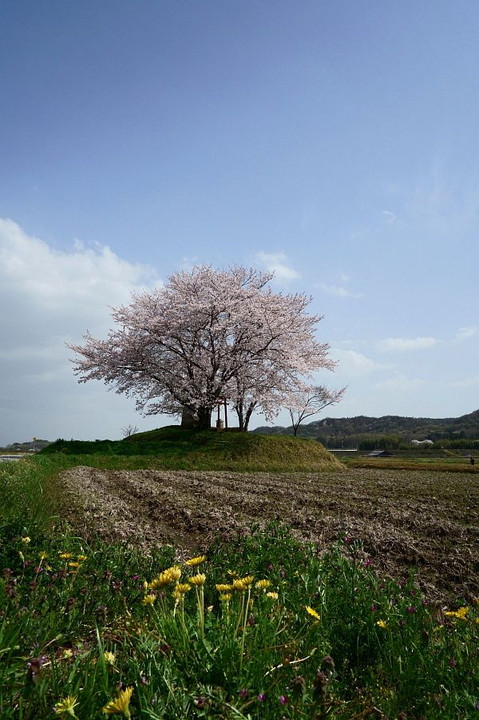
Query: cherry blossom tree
x=309 y=401
x=206 y=337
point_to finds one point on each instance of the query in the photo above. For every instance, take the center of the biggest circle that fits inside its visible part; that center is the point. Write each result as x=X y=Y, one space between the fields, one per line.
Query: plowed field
x=427 y=520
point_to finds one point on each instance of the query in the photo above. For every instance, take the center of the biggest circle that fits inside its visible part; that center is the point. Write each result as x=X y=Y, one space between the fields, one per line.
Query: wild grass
x=176 y=448
x=262 y=627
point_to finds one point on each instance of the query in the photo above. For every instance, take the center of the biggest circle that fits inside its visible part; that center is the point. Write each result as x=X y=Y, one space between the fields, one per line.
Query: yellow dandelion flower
x=248 y=580
x=66 y=555
x=67 y=653
x=109 y=658
x=182 y=588
x=243 y=583
x=461 y=613
x=66 y=705
x=224 y=587
x=199 y=579
x=311 y=611
x=74 y=564
x=272 y=595
x=239 y=586
x=196 y=560
x=382 y=624
x=26 y=540
x=156 y=583
x=263 y=584
x=149 y=599
x=43 y=555
x=81 y=558
x=164 y=578
x=225 y=597
x=121 y=705
x=174 y=573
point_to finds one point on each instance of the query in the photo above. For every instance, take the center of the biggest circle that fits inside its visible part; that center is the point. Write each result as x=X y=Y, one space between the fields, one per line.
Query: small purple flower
x=283 y=699
x=452 y=662
x=373 y=608
x=367 y=562
x=261 y=697
x=243 y=693
x=411 y=609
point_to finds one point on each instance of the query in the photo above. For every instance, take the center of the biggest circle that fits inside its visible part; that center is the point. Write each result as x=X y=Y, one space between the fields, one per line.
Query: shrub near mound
x=177 y=448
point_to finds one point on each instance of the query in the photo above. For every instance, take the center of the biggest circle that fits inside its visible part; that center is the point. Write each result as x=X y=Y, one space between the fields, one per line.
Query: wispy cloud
x=399 y=384
x=466 y=332
x=405 y=344
x=389 y=216
x=279 y=264
x=352 y=363
x=339 y=291
x=340 y=288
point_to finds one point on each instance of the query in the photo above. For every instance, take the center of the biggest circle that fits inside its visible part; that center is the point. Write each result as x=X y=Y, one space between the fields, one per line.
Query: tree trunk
x=247 y=416
x=204 y=418
x=188 y=418
x=239 y=411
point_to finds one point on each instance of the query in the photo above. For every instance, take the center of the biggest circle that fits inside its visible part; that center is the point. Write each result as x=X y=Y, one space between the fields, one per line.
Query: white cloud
x=466 y=332
x=389 y=216
x=279 y=264
x=352 y=363
x=50 y=297
x=399 y=384
x=339 y=291
x=406 y=344
x=32 y=270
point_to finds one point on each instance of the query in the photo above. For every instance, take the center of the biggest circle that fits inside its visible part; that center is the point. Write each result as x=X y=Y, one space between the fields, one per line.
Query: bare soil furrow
x=404 y=519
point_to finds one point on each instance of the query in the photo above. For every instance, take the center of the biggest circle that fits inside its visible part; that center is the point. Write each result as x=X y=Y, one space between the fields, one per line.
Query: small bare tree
x=129 y=430
x=310 y=401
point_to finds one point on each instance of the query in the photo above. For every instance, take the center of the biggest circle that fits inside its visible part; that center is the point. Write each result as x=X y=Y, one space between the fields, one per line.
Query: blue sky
x=332 y=141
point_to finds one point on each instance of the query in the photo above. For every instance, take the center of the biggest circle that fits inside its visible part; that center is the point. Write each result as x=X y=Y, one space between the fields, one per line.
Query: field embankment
x=176 y=448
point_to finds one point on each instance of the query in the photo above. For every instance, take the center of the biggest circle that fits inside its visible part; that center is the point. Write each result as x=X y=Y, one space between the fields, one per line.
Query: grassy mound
x=183 y=449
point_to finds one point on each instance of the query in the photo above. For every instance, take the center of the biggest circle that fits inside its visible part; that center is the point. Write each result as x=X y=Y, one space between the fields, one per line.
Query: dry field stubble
x=404 y=519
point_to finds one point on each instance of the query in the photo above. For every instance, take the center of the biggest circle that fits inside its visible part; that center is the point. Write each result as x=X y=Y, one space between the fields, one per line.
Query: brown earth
x=426 y=520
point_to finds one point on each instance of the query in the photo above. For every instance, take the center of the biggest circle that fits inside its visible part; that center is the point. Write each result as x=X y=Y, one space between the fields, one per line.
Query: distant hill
x=335 y=432
x=26 y=446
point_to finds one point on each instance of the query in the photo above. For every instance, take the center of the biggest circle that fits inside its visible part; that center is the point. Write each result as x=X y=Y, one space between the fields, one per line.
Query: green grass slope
x=177 y=448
